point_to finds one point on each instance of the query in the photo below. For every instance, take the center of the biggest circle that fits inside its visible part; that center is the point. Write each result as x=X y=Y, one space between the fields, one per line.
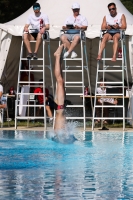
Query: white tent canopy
x=57 y=11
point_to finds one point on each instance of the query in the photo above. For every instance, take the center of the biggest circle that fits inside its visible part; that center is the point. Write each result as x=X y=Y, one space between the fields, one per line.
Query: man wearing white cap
x=79 y=22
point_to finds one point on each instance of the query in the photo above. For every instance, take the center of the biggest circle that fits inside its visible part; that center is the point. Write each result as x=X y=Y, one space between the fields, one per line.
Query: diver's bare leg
x=60 y=118
x=59 y=79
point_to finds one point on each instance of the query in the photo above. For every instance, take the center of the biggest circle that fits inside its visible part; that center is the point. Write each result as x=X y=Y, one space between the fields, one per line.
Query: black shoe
x=35 y=56
x=103 y=128
x=29 y=56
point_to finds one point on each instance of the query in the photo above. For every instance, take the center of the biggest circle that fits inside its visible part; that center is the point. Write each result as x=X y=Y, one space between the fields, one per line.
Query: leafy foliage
x=10 y=9
x=128 y=4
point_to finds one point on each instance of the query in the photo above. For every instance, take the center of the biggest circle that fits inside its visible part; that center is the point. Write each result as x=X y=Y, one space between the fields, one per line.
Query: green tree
x=128 y=4
x=10 y=9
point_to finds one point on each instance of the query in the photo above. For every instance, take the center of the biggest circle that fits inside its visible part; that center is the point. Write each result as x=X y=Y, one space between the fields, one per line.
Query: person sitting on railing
x=1 y=93
x=112 y=23
x=103 y=101
x=41 y=100
x=39 y=23
x=77 y=21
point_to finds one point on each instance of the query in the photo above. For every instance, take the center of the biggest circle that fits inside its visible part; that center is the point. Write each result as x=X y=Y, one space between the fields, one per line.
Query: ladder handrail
x=45 y=38
x=81 y=59
x=104 y=70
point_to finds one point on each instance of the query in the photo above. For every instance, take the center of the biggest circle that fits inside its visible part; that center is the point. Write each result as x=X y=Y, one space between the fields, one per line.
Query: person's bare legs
x=38 y=42
x=116 y=38
x=74 y=43
x=60 y=93
x=65 y=42
x=68 y=45
x=106 y=38
x=27 y=38
x=49 y=112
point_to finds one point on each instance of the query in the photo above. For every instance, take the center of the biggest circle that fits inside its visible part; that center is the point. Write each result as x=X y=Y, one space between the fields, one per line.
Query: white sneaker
x=73 y=55
x=50 y=120
x=66 y=54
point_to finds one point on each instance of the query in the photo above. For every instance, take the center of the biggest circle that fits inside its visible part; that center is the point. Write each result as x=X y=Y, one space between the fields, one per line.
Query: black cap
x=36 y=5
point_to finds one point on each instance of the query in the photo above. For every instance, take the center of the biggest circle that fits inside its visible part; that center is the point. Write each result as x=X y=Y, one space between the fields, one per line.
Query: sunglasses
x=36 y=8
x=112 y=9
x=75 y=10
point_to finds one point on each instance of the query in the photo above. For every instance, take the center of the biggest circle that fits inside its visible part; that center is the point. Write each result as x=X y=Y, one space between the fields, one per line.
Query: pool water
x=99 y=165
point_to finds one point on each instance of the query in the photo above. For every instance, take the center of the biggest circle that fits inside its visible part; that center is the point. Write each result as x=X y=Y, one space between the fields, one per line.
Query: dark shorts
x=47 y=103
x=34 y=35
x=112 y=32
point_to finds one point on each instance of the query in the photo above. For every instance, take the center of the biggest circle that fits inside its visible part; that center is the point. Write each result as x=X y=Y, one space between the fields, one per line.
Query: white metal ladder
x=117 y=84
x=33 y=68
x=77 y=85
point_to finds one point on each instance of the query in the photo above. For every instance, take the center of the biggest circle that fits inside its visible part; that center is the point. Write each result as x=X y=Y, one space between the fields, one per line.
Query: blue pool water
x=97 y=166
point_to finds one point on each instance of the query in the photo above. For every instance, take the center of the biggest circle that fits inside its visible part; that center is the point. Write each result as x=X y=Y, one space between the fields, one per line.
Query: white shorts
x=70 y=37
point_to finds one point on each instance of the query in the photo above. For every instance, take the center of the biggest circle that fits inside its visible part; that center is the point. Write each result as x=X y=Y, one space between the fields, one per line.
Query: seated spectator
x=12 y=91
x=114 y=21
x=11 y=102
x=79 y=22
x=1 y=93
x=39 y=22
x=103 y=101
x=41 y=101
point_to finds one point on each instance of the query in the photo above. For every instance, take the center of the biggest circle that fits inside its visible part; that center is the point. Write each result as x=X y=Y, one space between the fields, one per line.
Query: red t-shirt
x=40 y=97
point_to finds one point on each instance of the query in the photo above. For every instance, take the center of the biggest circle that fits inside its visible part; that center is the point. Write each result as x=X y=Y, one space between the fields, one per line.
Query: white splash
x=66 y=135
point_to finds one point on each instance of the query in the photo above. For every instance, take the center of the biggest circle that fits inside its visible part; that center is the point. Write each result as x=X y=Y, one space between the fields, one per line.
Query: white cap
x=75 y=5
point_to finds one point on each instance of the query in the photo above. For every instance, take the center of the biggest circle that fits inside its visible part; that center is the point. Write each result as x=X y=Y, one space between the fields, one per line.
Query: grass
x=118 y=124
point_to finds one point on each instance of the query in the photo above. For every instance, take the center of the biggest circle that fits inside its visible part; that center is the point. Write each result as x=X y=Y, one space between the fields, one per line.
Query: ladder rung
x=74 y=117
x=31 y=59
x=74 y=94
x=26 y=105
x=113 y=66
x=108 y=118
x=31 y=82
x=74 y=106
x=113 y=86
x=33 y=41
x=110 y=82
x=110 y=106
x=72 y=59
x=111 y=59
x=31 y=70
x=74 y=86
x=31 y=94
x=29 y=117
x=73 y=82
x=72 y=70
x=73 y=66
x=105 y=70
x=106 y=95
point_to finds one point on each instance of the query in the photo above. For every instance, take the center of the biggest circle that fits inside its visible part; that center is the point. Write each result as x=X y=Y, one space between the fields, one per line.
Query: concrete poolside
x=78 y=129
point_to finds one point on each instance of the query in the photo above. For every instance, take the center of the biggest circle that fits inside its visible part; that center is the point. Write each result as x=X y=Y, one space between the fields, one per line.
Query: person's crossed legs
x=70 y=45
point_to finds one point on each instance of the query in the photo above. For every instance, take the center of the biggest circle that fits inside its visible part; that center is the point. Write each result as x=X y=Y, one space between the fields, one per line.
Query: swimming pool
x=99 y=166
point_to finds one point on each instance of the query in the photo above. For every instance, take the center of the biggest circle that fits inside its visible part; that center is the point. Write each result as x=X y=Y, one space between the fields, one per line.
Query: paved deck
x=50 y=128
